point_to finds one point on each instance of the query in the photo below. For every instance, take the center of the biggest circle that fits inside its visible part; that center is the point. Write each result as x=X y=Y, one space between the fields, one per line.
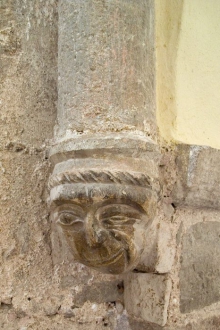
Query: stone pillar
x=106 y=68
x=106 y=79
x=104 y=189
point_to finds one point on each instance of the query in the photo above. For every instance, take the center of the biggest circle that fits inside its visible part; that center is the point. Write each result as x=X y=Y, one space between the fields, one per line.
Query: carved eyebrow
x=115 y=209
x=71 y=211
x=68 y=192
x=71 y=208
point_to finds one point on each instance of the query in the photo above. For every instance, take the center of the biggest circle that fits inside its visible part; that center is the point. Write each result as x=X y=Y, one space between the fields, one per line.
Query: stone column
x=104 y=189
x=106 y=68
x=106 y=76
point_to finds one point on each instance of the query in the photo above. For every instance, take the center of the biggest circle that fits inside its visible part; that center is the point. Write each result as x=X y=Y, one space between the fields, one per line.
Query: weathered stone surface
x=159 y=246
x=160 y=243
x=34 y=292
x=210 y=323
x=106 y=67
x=104 y=291
x=198 y=182
x=104 y=211
x=147 y=296
x=165 y=250
x=127 y=147
x=125 y=322
x=201 y=322
x=28 y=53
x=200 y=270
x=28 y=50
x=104 y=216
x=41 y=286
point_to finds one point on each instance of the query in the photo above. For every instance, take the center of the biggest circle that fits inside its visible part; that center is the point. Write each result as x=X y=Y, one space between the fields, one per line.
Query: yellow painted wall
x=188 y=70
x=168 y=21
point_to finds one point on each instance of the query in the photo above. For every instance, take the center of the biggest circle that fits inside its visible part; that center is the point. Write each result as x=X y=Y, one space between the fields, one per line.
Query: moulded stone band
x=104 y=177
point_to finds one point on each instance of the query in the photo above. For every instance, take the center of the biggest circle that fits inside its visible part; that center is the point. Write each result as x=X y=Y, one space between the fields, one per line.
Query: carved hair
x=102 y=177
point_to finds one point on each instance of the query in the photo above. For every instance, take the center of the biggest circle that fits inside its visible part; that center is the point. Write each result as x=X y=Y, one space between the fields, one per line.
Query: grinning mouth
x=106 y=262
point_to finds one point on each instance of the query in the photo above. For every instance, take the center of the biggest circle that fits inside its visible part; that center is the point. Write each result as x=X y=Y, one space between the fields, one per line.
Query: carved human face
x=106 y=235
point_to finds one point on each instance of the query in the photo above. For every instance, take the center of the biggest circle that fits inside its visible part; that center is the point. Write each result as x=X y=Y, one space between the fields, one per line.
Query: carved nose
x=95 y=234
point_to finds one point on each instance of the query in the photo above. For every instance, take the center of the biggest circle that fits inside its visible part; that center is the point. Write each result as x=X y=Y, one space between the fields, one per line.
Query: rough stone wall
x=34 y=292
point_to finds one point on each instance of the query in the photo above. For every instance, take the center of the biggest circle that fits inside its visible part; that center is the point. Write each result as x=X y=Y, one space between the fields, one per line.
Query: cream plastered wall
x=188 y=70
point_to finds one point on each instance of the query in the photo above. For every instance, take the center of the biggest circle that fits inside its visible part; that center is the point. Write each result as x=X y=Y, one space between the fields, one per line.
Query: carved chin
x=116 y=263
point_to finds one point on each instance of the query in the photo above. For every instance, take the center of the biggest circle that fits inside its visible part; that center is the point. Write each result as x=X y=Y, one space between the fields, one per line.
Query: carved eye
x=118 y=220
x=70 y=219
x=118 y=215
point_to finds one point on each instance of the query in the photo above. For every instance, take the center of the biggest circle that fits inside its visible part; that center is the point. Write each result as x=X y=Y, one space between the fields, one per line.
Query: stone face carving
x=104 y=216
x=101 y=234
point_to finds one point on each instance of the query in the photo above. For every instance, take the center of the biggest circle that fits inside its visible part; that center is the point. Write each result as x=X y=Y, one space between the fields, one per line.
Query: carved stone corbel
x=105 y=202
x=104 y=212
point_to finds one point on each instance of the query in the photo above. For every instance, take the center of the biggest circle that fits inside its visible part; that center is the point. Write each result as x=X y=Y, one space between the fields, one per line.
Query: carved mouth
x=106 y=262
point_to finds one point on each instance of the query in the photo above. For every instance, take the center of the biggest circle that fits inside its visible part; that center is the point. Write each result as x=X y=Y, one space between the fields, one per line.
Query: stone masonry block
x=147 y=296
x=200 y=268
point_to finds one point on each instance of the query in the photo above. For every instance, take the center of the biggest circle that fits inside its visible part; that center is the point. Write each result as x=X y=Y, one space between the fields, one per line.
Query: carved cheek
x=120 y=221
x=121 y=226
x=74 y=231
